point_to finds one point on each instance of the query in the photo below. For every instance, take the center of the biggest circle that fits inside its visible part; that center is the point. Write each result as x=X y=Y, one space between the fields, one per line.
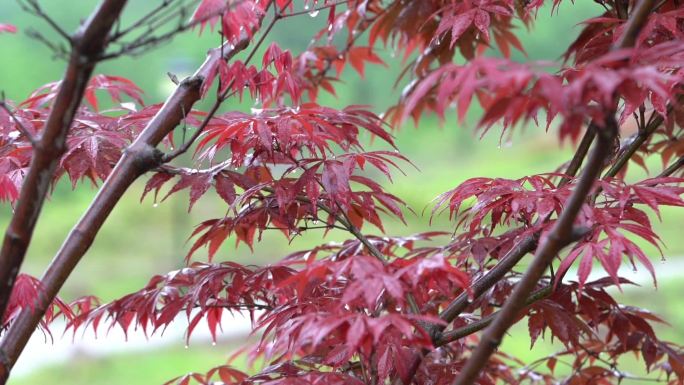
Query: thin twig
x=580 y=154
x=148 y=40
x=222 y=97
x=19 y=125
x=34 y=7
x=671 y=169
x=464 y=331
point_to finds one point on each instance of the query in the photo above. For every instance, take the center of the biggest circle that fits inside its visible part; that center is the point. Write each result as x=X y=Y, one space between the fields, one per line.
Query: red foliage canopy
x=379 y=309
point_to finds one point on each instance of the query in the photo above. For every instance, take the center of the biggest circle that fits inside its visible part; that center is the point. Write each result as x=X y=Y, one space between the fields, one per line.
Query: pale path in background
x=39 y=354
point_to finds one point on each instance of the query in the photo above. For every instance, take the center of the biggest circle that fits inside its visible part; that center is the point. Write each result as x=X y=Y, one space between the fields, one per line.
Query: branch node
x=144 y=156
x=194 y=81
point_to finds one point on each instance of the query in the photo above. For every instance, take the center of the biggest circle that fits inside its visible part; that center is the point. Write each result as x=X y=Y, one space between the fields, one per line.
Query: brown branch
x=580 y=154
x=464 y=331
x=139 y=157
x=634 y=145
x=33 y=7
x=552 y=244
x=147 y=18
x=223 y=96
x=19 y=125
x=562 y=229
x=479 y=287
x=493 y=276
x=636 y=22
x=671 y=169
x=148 y=39
x=87 y=44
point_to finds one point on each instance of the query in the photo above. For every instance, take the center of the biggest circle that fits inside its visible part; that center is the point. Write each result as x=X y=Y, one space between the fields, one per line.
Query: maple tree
x=428 y=308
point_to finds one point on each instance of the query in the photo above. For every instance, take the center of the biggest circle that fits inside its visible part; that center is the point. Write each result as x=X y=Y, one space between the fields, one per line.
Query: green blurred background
x=139 y=240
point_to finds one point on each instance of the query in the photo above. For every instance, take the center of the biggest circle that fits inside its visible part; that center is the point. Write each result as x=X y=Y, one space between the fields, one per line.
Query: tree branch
x=34 y=7
x=493 y=276
x=464 y=331
x=552 y=244
x=562 y=229
x=19 y=125
x=580 y=154
x=671 y=169
x=148 y=40
x=87 y=43
x=138 y=158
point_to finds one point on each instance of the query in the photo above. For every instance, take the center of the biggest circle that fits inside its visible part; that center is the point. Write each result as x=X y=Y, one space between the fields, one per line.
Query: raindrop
x=330 y=28
x=155 y=205
x=171 y=148
x=315 y=221
x=314 y=13
x=306 y=7
x=187 y=347
x=213 y=343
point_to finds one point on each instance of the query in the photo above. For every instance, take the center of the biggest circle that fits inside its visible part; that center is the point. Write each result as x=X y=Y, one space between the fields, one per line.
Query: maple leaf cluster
x=378 y=309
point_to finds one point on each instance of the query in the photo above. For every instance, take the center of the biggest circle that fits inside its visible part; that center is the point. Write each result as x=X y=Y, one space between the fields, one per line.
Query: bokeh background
x=140 y=239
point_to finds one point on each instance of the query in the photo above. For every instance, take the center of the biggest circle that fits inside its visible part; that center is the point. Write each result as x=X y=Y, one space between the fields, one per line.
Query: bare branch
x=148 y=39
x=671 y=169
x=147 y=18
x=59 y=51
x=33 y=7
x=464 y=331
x=634 y=145
x=19 y=125
x=580 y=154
